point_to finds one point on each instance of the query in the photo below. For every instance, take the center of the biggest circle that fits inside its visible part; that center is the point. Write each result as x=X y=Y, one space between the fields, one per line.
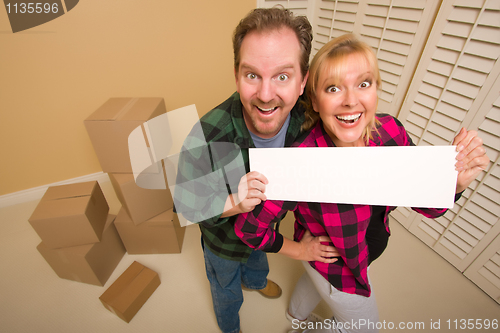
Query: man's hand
x=471 y=158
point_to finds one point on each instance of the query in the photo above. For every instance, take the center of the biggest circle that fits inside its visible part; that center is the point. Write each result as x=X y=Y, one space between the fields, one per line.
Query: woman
x=341 y=104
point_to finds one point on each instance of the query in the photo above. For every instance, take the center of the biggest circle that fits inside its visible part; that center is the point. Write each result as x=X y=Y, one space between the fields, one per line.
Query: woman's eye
x=282 y=77
x=251 y=76
x=365 y=84
x=332 y=89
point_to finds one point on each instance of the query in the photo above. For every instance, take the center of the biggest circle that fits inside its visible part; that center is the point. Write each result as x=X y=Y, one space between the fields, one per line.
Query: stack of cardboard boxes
x=82 y=242
x=146 y=222
x=79 y=239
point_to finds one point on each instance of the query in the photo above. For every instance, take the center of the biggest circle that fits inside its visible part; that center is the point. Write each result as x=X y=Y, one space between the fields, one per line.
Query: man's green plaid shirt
x=224 y=124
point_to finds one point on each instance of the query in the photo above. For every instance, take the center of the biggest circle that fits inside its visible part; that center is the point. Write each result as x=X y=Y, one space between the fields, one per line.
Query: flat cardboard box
x=91 y=263
x=71 y=215
x=130 y=291
x=111 y=124
x=141 y=204
x=160 y=234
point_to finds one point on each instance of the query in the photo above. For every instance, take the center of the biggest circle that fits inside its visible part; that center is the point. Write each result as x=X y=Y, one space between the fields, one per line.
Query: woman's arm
x=256 y=230
x=309 y=249
x=471 y=160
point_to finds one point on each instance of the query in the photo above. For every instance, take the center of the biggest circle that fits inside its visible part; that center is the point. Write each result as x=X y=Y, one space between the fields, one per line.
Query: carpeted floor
x=413 y=285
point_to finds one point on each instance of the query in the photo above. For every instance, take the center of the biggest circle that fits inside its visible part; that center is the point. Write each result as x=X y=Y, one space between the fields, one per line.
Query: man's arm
x=201 y=190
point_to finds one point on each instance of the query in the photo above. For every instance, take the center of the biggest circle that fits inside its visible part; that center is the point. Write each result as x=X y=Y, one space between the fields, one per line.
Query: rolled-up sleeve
x=256 y=228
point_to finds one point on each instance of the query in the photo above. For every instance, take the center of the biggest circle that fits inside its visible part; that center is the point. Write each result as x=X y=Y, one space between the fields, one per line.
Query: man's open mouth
x=267 y=111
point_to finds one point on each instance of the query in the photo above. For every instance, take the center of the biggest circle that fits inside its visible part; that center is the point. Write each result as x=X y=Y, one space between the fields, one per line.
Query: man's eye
x=282 y=77
x=251 y=76
x=332 y=89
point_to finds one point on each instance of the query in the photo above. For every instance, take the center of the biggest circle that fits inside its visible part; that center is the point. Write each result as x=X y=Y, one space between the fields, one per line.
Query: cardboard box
x=141 y=204
x=160 y=234
x=71 y=215
x=110 y=125
x=91 y=263
x=130 y=291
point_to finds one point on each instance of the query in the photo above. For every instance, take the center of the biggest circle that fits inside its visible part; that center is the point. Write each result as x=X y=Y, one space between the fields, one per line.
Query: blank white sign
x=415 y=176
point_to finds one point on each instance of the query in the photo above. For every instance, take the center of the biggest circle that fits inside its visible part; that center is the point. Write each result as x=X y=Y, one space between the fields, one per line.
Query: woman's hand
x=314 y=249
x=251 y=191
x=471 y=158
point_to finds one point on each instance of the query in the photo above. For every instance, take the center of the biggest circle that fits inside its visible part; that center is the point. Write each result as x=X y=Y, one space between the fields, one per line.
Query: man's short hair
x=268 y=19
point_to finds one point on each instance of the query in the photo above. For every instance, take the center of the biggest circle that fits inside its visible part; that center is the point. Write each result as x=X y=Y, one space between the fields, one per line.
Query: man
x=271 y=56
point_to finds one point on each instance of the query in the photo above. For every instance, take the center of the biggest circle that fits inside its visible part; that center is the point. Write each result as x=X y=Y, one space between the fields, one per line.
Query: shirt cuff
x=458 y=195
x=277 y=245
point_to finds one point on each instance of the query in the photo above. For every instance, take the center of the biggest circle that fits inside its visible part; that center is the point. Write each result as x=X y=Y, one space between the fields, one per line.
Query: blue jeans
x=225 y=277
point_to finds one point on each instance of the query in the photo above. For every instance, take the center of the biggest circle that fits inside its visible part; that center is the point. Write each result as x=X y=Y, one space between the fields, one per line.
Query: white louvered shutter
x=456 y=84
x=298 y=7
x=485 y=270
x=333 y=18
x=473 y=223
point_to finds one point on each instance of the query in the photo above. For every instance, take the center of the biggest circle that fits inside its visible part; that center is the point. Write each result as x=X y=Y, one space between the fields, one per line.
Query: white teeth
x=350 y=117
x=266 y=110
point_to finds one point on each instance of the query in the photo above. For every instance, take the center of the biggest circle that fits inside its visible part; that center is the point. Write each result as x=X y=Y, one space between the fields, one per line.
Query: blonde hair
x=332 y=58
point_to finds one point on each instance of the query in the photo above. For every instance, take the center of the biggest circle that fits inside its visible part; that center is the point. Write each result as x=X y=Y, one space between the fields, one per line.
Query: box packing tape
x=127 y=107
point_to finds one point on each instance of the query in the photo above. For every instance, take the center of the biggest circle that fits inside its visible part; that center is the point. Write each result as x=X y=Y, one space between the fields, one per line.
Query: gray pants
x=352 y=313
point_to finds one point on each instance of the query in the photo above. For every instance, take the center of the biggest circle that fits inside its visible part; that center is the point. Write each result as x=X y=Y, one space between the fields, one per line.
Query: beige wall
x=54 y=75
